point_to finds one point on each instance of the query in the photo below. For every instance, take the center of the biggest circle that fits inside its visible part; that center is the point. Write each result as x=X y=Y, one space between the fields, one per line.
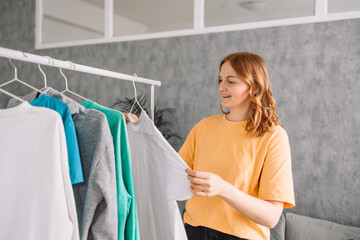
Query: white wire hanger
x=135 y=100
x=11 y=95
x=16 y=79
x=45 y=82
x=66 y=82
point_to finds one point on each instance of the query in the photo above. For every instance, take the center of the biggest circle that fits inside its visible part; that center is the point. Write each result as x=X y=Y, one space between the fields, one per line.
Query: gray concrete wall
x=314 y=71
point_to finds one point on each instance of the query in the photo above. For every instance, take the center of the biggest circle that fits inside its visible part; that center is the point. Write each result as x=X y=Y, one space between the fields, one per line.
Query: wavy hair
x=252 y=69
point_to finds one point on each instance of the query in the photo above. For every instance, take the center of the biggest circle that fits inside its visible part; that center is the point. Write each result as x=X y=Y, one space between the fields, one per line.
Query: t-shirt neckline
x=21 y=108
x=237 y=123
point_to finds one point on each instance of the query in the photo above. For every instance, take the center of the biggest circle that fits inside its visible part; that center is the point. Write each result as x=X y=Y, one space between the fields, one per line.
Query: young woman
x=240 y=161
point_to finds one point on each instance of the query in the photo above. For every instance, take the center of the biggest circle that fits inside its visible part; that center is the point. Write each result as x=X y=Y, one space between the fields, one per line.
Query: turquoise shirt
x=76 y=173
x=127 y=212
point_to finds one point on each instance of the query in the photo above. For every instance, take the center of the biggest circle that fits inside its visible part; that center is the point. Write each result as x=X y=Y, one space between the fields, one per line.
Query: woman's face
x=234 y=91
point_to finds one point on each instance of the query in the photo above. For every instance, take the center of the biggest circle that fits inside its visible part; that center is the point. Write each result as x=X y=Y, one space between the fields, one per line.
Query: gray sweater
x=95 y=198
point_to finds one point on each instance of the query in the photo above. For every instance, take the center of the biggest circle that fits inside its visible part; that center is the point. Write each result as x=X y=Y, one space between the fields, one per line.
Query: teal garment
x=76 y=173
x=127 y=210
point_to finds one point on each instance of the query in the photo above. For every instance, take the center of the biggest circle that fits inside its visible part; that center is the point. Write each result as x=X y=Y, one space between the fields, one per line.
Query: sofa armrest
x=278 y=232
x=303 y=227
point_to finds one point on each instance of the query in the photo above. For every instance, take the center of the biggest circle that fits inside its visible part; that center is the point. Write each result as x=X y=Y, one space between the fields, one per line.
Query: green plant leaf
x=163 y=118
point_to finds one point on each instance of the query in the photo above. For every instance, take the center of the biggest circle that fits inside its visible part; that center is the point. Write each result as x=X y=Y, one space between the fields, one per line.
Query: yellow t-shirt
x=258 y=166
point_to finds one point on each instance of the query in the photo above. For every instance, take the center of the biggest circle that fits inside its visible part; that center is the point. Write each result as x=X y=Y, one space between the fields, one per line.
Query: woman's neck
x=237 y=116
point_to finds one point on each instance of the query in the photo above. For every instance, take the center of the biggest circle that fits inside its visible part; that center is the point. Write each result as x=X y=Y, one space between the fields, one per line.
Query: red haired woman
x=240 y=161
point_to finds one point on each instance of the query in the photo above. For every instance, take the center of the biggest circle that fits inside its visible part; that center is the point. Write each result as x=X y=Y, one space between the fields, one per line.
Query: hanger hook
x=66 y=85
x=135 y=77
x=45 y=82
x=135 y=101
x=15 y=69
x=66 y=82
x=43 y=75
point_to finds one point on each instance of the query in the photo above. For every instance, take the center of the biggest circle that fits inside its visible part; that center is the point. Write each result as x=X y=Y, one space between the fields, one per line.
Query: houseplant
x=163 y=118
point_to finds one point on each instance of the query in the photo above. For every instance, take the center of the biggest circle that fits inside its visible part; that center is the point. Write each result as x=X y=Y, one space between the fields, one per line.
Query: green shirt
x=127 y=212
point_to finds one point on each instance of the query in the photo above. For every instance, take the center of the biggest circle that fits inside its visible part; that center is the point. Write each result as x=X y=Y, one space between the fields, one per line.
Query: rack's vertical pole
x=109 y=21
x=321 y=8
x=199 y=13
x=39 y=15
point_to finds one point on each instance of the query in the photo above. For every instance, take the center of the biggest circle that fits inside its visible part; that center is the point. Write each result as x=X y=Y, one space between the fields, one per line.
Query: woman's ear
x=256 y=92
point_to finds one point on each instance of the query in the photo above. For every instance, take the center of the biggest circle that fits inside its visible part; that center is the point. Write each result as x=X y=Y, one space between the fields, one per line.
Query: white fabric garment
x=37 y=201
x=160 y=179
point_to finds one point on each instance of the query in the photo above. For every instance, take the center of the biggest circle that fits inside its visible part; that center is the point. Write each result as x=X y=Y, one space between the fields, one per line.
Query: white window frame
x=320 y=15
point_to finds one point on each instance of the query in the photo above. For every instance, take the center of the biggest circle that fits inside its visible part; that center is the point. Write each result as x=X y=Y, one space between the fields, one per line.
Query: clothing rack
x=43 y=60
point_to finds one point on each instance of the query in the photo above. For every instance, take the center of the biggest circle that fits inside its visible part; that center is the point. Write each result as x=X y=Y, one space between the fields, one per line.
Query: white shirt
x=160 y=179
x=37 y=200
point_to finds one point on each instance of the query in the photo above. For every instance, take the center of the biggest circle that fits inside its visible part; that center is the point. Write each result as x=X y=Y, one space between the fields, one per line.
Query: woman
x=240 y=161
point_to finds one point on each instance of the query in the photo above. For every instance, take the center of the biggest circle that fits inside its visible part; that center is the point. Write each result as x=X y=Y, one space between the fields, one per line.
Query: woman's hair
x=252 y=69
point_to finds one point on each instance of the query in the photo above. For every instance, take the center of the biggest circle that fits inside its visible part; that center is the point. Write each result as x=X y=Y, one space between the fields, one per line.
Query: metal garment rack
x=43 y=60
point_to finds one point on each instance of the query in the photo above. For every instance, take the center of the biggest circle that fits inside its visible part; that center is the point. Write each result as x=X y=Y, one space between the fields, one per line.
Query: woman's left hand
x=205 y=184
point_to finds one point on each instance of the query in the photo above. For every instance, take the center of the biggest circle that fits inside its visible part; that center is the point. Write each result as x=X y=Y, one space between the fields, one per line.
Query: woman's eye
x=219 y=80
x=231 y=82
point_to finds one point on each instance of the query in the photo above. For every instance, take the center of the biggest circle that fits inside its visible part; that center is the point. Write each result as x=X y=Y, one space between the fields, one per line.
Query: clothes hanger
x=66 y=82
x=18 y=80
x=136 y=101
x=45 y=82
x=11 y=95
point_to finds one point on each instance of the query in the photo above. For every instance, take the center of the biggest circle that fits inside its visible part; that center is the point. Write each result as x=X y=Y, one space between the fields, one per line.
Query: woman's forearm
x=266 y=213
x=207 y=184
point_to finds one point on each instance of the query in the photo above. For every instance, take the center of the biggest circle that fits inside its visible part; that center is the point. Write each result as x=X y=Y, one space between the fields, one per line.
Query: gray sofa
x=297 y=227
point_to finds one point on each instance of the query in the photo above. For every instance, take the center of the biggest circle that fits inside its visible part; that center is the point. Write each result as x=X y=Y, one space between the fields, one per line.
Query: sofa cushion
x=278 y=232
x=301 y=227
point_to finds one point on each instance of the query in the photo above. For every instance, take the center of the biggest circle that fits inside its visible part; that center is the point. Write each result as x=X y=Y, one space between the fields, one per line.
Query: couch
x=297 y=227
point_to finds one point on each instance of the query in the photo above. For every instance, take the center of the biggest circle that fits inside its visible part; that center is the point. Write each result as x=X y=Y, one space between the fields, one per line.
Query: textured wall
x=314 y=70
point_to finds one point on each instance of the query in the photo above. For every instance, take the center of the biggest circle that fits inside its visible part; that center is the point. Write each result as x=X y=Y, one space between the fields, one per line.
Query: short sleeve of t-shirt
x=188 y=148
x=76 y=173
x=276 y=178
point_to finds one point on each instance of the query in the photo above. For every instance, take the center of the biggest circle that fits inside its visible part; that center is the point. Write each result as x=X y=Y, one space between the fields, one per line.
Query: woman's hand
x=205 y=184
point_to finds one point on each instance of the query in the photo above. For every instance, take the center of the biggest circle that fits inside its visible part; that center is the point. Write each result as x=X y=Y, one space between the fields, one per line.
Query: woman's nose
x=221 y=87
